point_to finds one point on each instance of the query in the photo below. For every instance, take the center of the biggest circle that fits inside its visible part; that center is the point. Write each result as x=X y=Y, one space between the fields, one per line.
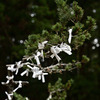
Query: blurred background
x=20 y=18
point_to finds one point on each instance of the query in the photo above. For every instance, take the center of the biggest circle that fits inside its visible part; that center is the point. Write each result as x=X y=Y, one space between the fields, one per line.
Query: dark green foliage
x=78 y=11
x=32 y=43
x=57 y=27
x=78 y=27
x=59 y=90
x=69 y=66
x=78 y=64
x=91 y=22
x=78 y=41
x=88 y=35
x=60 y=29
x=45 y=33
x=19 y=97
x=85 y=59
x=63 y=11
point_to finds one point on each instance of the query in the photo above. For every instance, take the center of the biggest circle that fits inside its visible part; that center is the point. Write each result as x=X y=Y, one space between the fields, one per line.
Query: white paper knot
x=19 y=86
x=18 y=65
x=39 y=74
x=26 y=98
x=50 y=96
x=41 y=55
x=9 y=78
x=66 y=48
x=11 y=67
x=35 y=71
x=36 y=57
x=41 y=45
x=55 y=50
x=9 y=95
x=70 y=35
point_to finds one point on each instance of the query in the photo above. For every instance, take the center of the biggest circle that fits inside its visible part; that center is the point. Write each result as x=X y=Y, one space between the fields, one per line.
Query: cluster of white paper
x=19 y=65
x=34 y=68
x=37 y=73
x=36 y=57
x=56 y=50
x=12 y=67
x=8 y=79
x=41 y=47
x=19 y=86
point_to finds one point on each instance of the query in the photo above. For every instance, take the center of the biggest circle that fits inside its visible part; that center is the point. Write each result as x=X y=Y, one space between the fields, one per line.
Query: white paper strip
x=29 y=67
x=41 y=45
x=41 y=55
x=19 y=65
x=9 y=78
x=9 y=95
x=50 y=97
x=19 y=86
x=55 y=50
x=11 y=67
x=43 y=79
x=28 y=57
x=39 y=74
x=25 y=72
x=26 y=98
x=35 y=71
x=39 y=77
x=66 y=48
x=70 y=35
x=37 y=58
